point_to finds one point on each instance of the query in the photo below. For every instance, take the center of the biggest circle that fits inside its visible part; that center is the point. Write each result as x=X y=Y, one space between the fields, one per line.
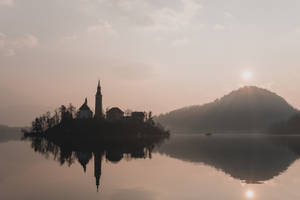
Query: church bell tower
x=98 y=103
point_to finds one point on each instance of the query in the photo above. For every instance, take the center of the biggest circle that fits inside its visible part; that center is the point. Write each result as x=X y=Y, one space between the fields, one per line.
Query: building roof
x=115 y=109
x=137 y=114
x=85 y=106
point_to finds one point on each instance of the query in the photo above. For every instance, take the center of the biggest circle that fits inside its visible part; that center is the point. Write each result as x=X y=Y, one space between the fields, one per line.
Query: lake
x=226 y=167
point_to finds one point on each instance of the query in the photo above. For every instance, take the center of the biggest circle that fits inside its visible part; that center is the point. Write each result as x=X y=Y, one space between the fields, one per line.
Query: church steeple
x=98 y=102
x=98 y=88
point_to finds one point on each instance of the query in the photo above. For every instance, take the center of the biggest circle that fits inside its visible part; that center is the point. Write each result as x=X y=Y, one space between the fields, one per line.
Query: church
x=86 y=113
x=113 y=114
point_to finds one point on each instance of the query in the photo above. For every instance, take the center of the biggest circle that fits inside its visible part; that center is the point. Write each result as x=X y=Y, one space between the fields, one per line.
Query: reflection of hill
x=252 y=159
x=9 y=133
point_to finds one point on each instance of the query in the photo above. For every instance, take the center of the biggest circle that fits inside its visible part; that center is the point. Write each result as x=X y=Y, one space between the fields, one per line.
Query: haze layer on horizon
x=149 y=54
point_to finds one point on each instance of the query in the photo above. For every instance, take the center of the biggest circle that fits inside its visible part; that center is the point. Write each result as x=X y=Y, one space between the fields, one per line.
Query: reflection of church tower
x=97 y=168
x=98 y=103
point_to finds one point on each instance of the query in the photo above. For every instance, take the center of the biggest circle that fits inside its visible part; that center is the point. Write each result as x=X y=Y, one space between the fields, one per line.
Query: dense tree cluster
x=291 y=126
x=48 y=120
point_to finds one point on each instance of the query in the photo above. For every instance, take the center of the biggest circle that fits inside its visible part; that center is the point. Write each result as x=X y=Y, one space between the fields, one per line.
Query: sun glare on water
x=249 y=194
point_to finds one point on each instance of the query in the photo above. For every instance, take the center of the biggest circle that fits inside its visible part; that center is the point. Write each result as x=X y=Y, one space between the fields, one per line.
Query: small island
x=81 y=129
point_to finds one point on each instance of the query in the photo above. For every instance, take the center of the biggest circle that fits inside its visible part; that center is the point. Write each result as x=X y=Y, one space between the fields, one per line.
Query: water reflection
x=252 y=159
x=66 y=153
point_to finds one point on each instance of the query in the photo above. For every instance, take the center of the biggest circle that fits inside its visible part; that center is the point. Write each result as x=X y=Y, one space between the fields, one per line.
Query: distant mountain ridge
x=248 y=109
x=10 y=133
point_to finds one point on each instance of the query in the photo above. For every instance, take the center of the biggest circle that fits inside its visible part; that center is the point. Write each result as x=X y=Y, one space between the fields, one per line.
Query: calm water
x=184 y=167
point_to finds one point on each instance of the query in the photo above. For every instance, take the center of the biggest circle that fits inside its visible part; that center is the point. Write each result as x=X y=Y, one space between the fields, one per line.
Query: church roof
x=85 y=106
x=115 y=109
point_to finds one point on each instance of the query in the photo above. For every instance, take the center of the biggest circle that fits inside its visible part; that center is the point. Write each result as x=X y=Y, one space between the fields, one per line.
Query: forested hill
x=248 y=109
x=10 y=133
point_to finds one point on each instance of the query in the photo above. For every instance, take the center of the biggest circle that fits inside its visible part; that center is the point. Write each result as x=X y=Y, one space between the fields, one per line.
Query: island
x=81 y=129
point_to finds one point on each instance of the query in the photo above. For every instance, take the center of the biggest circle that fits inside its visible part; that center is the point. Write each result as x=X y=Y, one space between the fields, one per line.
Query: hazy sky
x=154 y=55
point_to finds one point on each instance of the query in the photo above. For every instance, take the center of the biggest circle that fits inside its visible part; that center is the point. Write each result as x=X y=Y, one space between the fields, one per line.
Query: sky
x=150 y=55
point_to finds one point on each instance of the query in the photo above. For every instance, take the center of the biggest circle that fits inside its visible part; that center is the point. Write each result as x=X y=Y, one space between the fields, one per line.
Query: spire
x=98 y=102
x=98 y=88
x=85 y=101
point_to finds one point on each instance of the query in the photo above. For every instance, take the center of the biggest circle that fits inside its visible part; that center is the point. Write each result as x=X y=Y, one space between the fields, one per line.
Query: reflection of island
x=113 y=151
x=252 y=159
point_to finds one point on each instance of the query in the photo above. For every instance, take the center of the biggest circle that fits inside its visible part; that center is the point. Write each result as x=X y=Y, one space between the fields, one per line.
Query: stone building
x=114 y=114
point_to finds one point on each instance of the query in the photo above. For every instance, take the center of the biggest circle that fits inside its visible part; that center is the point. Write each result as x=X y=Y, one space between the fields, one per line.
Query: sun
x=247 y=75
x=249 y=194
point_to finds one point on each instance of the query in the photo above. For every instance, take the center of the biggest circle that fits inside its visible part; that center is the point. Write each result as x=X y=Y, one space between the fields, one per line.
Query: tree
x=67 y=113
x=62 y=110
x=149 y=119
x=72 y=111
x=40 y=124
x=56 y=118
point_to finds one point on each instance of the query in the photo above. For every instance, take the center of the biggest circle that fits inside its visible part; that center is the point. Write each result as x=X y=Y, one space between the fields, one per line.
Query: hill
x=248 y=109
x=9 y=133
x=290 y=126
